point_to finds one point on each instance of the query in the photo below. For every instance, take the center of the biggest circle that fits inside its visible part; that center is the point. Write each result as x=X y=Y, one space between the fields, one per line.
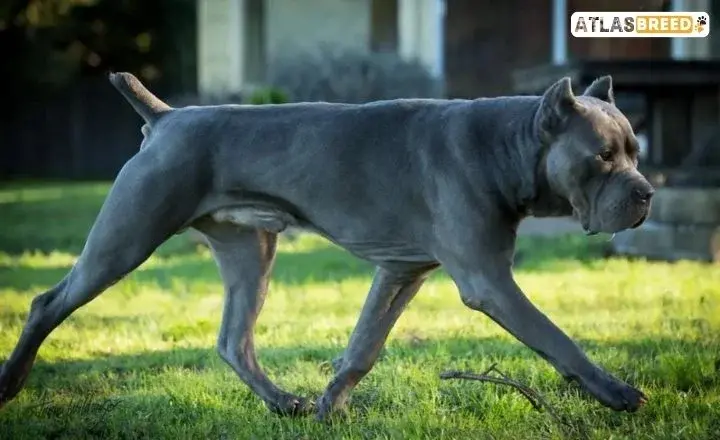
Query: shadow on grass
x=459 y=352
x=57 y=217
x=48 y=217
x=116 y=384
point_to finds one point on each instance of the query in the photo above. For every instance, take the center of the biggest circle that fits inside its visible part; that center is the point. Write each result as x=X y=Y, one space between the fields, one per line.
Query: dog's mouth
x=640 y=222
x=590 y=232
x=584 y=221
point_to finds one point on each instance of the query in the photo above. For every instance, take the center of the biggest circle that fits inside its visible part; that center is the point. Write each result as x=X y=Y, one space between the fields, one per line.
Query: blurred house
x=475 y=45
x=237 y=39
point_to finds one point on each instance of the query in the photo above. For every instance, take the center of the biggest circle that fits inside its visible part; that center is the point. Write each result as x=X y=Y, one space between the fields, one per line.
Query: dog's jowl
x=408 y=185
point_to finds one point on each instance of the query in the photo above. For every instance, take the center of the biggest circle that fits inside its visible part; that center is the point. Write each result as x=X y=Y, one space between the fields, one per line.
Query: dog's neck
x=538 y=198
x=545 y=202
x=526 y=190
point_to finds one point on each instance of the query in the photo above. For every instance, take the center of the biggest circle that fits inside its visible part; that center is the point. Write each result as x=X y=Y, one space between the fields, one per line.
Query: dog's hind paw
x=291 y=405
x=9 y=386
x=326 y=413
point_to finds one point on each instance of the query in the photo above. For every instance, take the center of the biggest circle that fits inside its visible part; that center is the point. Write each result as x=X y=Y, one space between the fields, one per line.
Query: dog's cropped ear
x=602 y=89
x=558 y=104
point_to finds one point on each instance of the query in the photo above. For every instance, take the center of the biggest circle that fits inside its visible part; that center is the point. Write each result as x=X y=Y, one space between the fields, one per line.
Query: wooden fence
x=87 y=131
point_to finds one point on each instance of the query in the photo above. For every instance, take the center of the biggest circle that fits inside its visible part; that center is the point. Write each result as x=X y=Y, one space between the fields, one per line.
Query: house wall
x=294 y=26
x=384 y=25
x=485 y=40
x=221 y=45
x=616 y=48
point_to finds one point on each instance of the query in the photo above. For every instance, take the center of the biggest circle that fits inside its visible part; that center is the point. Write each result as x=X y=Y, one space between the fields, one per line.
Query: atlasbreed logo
x=635 y=24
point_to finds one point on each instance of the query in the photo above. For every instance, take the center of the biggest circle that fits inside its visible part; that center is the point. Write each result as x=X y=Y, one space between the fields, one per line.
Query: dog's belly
x=276 y=220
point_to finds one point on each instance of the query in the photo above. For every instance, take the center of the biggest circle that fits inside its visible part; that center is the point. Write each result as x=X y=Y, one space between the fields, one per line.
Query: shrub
x=351 y=76
x=268 y=95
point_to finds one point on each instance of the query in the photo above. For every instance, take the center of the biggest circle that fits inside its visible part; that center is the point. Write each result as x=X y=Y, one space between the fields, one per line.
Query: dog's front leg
x=391 y=291
x=494 y=292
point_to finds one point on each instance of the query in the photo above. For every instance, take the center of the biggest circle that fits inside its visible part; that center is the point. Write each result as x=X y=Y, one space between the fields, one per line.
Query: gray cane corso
x=408 y=185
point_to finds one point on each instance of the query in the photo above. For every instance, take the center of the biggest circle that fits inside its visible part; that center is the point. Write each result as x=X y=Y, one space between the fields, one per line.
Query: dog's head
x=591 y=157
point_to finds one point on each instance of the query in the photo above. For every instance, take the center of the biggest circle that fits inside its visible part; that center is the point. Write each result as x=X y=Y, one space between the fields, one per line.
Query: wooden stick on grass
x=535 y=399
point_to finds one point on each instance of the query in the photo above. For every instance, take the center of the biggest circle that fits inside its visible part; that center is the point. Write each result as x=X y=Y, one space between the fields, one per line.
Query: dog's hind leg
x=136 y=217
x=245 y=258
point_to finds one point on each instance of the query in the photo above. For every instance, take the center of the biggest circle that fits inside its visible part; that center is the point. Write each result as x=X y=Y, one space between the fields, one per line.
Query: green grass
x=140 y=362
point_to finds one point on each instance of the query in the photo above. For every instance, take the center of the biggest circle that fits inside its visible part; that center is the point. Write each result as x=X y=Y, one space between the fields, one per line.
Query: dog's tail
x=149 y=106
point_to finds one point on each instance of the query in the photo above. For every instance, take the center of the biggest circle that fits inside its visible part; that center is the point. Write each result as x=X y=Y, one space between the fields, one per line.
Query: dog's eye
x=606 y=155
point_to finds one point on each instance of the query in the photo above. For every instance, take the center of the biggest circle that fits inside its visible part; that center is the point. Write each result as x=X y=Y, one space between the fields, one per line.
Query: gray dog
x=408 y=185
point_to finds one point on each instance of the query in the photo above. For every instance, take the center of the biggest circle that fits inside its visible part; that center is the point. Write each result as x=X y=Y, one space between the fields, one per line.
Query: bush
x=351 y=76
x=268 y=95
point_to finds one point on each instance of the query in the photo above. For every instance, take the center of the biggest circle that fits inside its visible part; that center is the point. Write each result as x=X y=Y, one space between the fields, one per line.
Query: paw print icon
x=700 y=23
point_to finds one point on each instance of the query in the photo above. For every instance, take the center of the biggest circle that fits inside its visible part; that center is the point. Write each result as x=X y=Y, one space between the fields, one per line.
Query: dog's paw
x=10 y=384
x=614 y=393
x=3 y=386
x=326 y=413
x=291 y=405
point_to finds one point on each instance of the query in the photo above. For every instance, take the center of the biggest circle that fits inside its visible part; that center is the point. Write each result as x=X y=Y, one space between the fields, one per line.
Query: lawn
x=140 y=362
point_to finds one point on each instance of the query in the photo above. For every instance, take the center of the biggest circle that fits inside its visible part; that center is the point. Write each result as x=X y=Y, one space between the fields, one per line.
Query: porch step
x=663 y=241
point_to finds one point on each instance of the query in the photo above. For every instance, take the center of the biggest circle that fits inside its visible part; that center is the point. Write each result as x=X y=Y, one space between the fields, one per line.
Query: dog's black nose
x=644 y=194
